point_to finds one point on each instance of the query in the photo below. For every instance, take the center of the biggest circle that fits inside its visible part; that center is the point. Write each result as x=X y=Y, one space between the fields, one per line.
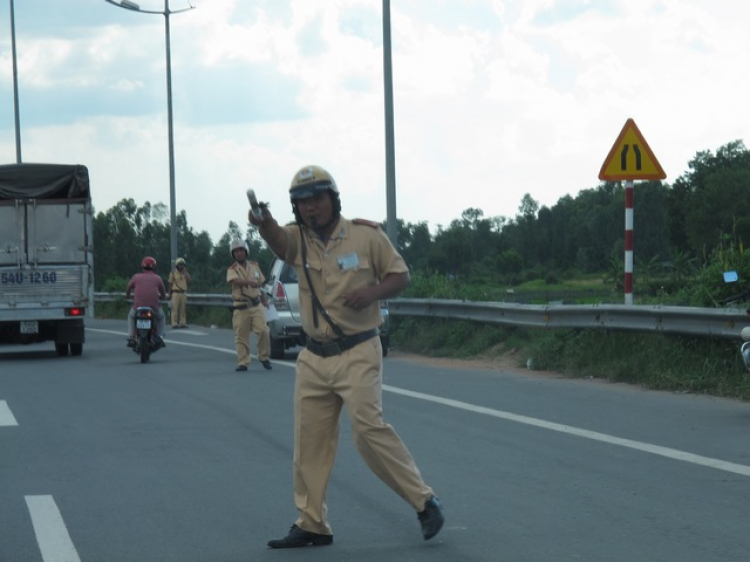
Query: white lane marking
x=6 y=416
x=674 y=454
x=51 y=532
x=198 y=345
x=667 y=452
x=170 y=342
x=189 y=332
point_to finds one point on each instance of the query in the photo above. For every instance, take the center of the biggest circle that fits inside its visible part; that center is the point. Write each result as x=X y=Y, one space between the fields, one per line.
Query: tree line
x=678 y=228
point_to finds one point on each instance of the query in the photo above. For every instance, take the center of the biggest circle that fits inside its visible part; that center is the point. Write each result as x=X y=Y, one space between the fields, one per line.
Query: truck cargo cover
x=44 y=181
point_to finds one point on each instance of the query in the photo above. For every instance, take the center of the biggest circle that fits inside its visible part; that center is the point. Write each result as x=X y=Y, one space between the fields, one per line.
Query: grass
x=590 y=281
x=584 y=289
x=659 y=362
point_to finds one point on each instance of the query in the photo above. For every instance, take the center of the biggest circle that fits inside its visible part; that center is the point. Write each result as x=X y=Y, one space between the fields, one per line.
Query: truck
x=46 y=255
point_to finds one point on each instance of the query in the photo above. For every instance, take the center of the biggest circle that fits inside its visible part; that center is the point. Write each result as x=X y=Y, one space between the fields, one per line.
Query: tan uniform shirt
x=358 y=254
x=178 y=281
x=250 y=271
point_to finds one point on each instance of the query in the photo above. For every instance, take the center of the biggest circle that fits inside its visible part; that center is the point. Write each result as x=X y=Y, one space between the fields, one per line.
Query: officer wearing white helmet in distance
x=178 y=286
x=246 y=280
x=238 y=244
x=345 y=267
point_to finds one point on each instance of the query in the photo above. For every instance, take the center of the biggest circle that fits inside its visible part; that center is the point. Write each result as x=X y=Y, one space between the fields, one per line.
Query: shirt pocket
x=359 y=276
x=315 y=269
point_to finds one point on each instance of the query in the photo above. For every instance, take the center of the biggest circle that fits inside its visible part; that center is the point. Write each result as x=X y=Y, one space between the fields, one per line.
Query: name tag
x=349 y=261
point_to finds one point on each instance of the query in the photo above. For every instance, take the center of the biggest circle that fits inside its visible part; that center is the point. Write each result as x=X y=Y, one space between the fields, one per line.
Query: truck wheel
x=61 y=349
x=277 y=349
x=76 y=349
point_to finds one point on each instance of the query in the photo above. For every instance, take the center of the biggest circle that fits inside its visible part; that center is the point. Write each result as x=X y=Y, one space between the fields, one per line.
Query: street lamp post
x=128 y=5
x=15 y=81
x=390 y=152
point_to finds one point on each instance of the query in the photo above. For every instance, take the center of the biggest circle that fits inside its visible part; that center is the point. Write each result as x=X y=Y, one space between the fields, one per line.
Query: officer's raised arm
x=269 y=230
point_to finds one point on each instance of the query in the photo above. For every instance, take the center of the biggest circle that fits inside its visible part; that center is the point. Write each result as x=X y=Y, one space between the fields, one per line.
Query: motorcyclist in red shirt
x=147 y=289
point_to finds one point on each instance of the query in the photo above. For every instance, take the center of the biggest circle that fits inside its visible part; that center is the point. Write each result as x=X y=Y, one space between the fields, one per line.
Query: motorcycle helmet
x=309 y=181
x=179 y=261
x=148 y=263
x=237 y=243
x=745 y=351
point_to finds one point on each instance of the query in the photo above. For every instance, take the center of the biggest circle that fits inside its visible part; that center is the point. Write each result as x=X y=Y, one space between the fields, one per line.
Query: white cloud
x=493 y=99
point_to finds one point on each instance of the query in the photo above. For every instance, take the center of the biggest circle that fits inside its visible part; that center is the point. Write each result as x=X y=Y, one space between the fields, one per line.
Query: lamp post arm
x=133 y=7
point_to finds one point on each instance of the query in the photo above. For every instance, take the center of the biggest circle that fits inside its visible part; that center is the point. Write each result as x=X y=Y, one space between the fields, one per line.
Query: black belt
x=339 y=345
x=253 y=302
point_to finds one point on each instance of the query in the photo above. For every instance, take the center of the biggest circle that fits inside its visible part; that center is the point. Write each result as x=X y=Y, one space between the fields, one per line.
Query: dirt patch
x=507 y=361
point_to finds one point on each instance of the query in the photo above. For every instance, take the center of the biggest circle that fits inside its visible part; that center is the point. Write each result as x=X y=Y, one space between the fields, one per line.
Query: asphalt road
x=104 y=459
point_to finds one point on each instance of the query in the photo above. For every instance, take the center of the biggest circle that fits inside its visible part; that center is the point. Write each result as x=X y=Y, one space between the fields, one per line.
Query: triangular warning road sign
x=631 y=158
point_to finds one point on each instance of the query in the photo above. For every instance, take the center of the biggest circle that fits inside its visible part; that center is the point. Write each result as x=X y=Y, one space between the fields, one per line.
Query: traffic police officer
x=246 y=279
x=178 y=286
x=345 y=268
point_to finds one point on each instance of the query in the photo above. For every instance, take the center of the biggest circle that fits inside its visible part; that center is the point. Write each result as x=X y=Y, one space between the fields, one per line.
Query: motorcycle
x=732 y=277
x=147 y=340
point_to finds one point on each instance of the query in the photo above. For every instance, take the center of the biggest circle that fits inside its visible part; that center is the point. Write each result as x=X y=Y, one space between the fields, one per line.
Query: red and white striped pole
x=629 y=242
x=630 y=159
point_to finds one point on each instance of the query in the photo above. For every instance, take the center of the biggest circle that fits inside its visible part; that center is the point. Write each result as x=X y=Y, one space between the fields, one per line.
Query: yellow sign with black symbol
x=631 y=158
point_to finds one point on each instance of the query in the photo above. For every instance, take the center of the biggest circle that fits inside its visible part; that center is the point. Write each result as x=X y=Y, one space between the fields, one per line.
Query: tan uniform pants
x=179 y=302
x=322 y=386
x=243 y=323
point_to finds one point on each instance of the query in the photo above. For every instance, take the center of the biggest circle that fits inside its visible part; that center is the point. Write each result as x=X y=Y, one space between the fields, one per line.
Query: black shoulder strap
x=316 y=304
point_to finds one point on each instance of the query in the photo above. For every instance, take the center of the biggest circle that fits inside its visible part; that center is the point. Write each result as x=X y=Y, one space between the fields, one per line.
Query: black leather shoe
x=298 y=537
x=431 y=518
x=241 y=368
x=266 y=364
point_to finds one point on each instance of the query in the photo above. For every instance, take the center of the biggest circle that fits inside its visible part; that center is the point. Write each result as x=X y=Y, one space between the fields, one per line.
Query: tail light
x=75 y=311
x=279 y=297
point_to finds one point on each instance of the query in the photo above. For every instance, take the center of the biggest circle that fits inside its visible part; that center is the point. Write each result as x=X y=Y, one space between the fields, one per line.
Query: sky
x=493 y=99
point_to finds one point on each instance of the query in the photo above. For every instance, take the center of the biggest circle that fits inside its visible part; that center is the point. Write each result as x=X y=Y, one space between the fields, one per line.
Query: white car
x=282 y=289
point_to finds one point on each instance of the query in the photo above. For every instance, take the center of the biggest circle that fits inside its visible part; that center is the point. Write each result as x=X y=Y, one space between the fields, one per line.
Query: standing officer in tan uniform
x=178 y=286
x=246 y=279
x=345 y=268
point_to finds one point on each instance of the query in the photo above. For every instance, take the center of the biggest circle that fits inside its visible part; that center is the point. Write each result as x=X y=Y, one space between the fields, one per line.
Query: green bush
x=659 y=362
x=662 y=362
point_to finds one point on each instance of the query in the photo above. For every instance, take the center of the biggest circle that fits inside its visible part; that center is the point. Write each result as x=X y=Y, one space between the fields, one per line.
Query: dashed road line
x=170 y=341
x=197 y=345
x=51 y=532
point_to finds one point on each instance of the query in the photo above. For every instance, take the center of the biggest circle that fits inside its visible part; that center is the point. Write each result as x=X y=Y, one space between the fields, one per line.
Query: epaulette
x=365 y=222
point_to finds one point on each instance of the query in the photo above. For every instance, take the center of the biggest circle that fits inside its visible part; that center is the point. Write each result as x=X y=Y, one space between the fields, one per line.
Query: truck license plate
x=29 y=327
x=143 y=324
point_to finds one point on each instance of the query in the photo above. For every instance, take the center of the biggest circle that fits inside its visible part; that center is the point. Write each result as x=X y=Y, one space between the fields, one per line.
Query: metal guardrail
x=715 y=322
x=197 y=299
x=684 y=320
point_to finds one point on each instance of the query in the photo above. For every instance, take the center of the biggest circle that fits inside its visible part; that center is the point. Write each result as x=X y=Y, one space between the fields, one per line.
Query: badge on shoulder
x=365 y=222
